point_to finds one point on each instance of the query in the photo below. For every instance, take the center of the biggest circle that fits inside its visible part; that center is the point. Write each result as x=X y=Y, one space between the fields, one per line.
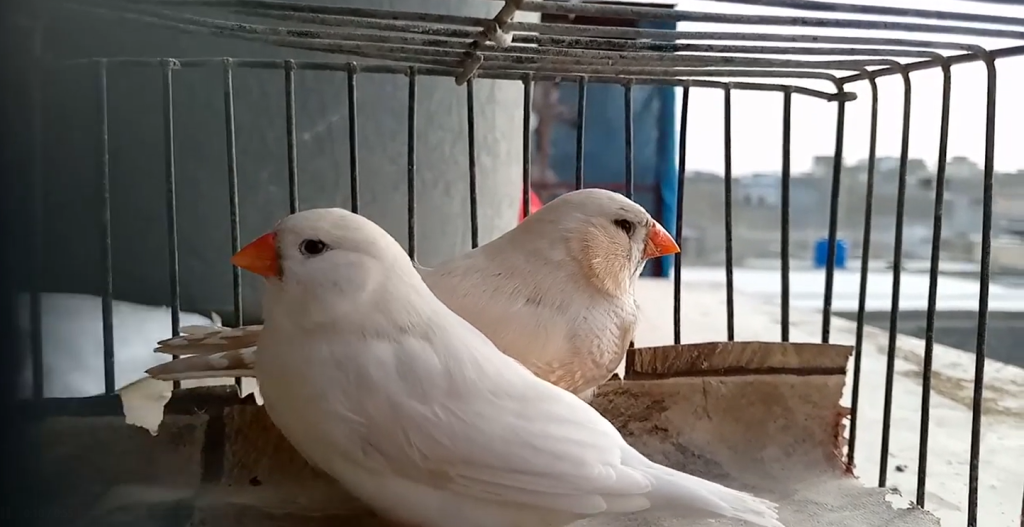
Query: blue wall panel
x=655 y=145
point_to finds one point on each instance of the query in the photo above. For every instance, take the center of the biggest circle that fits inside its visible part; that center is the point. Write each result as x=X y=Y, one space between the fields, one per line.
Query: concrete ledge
x=89 y=466
x=777 y=435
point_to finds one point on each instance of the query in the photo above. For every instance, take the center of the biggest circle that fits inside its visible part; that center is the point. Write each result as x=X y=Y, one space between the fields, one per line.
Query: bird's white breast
x=562 y=330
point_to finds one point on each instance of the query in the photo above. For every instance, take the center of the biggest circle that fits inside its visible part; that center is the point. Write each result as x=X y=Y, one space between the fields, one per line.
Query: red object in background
x=535 y=205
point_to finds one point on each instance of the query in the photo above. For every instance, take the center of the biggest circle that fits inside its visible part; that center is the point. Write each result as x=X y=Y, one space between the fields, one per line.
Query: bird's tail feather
x=205 y=340
x=673 y=490
x=234 y=363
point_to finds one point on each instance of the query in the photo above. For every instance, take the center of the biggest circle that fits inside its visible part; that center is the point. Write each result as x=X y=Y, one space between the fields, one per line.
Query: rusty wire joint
x=493 y=32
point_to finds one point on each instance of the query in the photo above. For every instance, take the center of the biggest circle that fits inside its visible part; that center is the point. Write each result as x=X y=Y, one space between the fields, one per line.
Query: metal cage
x=465 y=48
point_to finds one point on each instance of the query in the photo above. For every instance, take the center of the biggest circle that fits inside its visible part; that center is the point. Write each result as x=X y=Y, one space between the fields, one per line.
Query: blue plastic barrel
x=821 y=253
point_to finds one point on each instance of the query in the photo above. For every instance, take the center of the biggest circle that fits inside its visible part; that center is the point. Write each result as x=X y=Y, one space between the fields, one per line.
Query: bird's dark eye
x=312 y=247
x=626 y=226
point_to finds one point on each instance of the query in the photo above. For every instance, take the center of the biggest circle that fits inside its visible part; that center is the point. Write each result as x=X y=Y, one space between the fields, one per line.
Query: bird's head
x=609 y=235
x=328 y=256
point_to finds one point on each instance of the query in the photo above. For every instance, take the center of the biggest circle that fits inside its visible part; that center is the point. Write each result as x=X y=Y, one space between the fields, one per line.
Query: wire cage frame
x=464 y=48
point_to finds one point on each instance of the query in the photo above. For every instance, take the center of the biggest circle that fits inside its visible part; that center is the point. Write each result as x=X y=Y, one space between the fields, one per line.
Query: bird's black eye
x=312 y=247
x=626 y=226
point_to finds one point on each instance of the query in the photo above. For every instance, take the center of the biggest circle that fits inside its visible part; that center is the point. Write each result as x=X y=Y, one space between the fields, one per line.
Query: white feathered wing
x=432 y=422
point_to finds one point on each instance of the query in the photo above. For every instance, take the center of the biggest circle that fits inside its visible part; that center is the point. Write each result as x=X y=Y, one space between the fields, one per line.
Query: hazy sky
x=757 y=116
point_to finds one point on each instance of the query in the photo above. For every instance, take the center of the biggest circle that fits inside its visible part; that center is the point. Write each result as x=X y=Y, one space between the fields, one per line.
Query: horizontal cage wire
x=465 y=48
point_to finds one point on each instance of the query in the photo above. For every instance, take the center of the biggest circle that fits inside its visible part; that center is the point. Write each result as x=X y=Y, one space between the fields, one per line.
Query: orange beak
x=659 y=243
x=260 y=257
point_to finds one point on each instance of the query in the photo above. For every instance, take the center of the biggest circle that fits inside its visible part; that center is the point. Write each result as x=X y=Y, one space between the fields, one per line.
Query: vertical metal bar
x=897 y=264
x=581 y=117
x=289 y=117
x=474 y=212
x=865 y=256
x=353 y=137
x=627 y=104
x=236 y=245
x=109 y=381
x=677 y=294
x=411 y=163
x=171 y=198
x=833 y=222
x=35 y=302
x=986 y=269
x=933 y=286
x=787 y=127
x=527 y=140
x=729 y=293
